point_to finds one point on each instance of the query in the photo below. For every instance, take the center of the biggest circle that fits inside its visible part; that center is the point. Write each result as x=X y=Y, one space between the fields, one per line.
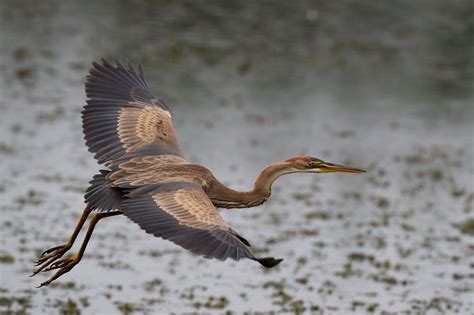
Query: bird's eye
x=313 y=164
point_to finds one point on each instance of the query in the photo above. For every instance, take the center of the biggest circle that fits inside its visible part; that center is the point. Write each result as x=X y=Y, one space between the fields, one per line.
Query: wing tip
x=240 y=238
x=269 y=262
x=115 y=63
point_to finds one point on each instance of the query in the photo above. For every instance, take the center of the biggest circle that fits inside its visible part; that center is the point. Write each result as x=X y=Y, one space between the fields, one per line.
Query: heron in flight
x=147 y=179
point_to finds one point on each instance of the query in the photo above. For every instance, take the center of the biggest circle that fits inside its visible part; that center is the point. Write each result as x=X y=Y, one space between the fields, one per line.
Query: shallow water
x=384 y=87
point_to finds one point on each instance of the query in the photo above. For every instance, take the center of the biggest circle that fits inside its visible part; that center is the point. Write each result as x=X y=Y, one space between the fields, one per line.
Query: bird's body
x=147 y=178
x=133 y=174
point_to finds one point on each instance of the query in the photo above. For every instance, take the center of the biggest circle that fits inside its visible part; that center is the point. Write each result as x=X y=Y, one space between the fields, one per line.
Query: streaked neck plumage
x=225 y=197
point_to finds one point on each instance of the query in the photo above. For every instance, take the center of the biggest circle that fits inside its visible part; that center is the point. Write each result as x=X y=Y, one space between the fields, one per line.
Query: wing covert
x=183 y=214
x=122 y=119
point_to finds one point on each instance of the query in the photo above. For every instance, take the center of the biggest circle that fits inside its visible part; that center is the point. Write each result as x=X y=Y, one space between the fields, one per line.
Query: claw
x=60 y=272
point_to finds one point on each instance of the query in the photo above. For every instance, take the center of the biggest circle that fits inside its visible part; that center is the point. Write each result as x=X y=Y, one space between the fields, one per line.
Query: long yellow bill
x=328 y=167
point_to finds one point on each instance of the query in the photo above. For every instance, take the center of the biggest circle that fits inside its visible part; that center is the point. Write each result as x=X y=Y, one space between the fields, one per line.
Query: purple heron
x=148 y=180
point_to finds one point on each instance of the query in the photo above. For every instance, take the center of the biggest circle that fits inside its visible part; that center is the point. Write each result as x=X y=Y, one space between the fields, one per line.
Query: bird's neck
x=225 y=197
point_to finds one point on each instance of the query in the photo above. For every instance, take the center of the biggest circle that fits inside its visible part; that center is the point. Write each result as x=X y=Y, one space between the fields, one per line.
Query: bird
x=146 y=177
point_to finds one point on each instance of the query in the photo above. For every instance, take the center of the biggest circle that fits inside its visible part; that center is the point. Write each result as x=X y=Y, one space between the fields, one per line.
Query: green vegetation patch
x=466 y=227
x=6 y=258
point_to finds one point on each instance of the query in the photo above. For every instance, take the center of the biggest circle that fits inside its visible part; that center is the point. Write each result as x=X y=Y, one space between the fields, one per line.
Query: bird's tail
x=101 y=196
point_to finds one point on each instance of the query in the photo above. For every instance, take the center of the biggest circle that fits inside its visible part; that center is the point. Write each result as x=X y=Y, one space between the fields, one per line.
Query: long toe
x=45 y=264
x=52 y=249
x=55 y=276
x=57 y=251
x=38 y=270
x=63 y=263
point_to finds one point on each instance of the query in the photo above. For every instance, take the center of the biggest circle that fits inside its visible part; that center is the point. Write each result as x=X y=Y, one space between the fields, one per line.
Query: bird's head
x=309 y=164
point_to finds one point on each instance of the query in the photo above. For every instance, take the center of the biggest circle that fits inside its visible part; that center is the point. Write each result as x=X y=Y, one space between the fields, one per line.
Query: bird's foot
x=63 y=263
x=56 y=252
x=64 y=266
x=49 y=256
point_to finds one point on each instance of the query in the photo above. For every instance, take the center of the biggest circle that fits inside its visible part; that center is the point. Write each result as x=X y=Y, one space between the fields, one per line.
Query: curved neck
x=225 y=197
x=269 y=174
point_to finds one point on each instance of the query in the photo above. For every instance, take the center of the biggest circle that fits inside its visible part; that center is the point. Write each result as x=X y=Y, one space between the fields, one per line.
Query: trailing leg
x=54 y=253
x=65 y=265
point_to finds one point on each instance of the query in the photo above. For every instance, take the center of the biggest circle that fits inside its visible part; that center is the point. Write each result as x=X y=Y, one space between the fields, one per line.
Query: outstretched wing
x=182 y=213
x=122 y=119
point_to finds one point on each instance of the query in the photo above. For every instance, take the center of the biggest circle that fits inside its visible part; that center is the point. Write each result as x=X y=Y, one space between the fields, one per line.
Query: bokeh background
x=380 y=85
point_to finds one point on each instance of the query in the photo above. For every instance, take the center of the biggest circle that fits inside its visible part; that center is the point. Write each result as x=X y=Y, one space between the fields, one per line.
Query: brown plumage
x=148 y=180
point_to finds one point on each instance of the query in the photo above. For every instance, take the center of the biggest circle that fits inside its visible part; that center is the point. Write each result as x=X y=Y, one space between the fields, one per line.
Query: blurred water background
x=380 y=85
